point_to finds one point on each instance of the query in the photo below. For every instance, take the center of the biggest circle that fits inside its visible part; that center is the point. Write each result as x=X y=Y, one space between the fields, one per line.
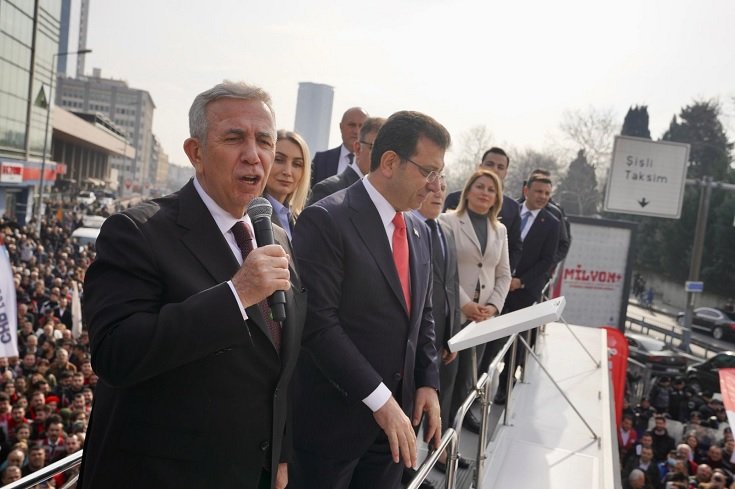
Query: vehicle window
x=723 y=361
x=707 y=314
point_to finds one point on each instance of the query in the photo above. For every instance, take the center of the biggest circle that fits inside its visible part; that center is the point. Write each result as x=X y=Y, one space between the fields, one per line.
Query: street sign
x=694 y=287
x=647 y=177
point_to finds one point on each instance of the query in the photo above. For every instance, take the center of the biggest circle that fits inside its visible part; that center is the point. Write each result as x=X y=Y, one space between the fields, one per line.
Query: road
x=668 y=321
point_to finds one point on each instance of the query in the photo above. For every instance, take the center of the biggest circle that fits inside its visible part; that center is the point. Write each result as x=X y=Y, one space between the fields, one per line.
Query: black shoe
x=472 y=423
x=500 y=398
x=462 y=463
x=409 y=475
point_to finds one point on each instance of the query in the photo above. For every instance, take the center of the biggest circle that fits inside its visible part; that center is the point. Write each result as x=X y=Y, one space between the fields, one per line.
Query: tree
x=592 y=130
x=636 y=122
x=521 y=166
x=665 y=245
x=577 y=191
x=700 y=126
x=473 y=143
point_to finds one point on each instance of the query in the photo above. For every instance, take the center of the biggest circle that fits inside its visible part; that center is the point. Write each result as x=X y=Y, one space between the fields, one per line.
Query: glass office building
x=29 y=37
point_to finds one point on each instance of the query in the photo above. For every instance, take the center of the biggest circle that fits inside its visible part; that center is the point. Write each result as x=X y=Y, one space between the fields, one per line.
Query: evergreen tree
x=700 y=126
x=578 y=192
x=636 y=122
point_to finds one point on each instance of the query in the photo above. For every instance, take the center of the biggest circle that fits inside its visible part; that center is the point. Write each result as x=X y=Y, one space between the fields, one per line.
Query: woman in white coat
x=482 y=262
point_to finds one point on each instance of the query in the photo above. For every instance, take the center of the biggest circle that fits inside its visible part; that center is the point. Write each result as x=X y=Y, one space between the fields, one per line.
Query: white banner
x=8 y=308
x=76 y=311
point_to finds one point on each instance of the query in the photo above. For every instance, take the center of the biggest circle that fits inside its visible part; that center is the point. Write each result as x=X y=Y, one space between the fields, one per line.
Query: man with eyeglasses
x=357 y=169
x=370 y=368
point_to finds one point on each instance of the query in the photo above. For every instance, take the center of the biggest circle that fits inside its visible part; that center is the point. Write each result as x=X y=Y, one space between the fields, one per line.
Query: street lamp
x=49 y=105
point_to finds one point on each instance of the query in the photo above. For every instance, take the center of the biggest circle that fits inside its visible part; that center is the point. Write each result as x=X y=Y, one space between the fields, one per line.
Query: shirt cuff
x=378 y=397
x=237 y=298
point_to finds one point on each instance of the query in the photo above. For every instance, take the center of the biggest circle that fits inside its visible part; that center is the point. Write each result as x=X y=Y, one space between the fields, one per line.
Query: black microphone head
x=259 y=208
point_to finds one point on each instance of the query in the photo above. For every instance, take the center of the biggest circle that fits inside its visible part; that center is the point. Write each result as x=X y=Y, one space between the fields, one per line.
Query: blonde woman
x=288 y=182
x=482 y=263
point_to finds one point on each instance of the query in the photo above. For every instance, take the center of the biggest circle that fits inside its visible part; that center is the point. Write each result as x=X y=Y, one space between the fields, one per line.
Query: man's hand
x=427 y=402
x=282 y=476
x=397 y=428
x=263 y=272
x=448 y=356
x=515 y=284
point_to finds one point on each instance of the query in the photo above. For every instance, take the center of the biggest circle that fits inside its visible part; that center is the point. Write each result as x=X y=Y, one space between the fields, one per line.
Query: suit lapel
x=469 y=231
x=370 y=229
x=417 y=261
x=214 y=254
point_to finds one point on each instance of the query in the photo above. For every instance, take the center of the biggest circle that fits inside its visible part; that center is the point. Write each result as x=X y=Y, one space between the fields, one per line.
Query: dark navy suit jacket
x=325 y=164
x=358 y=332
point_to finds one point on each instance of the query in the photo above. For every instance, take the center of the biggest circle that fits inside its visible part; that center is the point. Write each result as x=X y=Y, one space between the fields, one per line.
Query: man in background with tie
x=369 y=370
x=540 y=235
x=180 y=332
x=335 y=160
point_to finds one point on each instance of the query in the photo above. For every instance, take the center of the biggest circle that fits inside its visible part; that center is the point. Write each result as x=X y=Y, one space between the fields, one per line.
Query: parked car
x=706 y=374
x=718 y=323
x=107 y=198
x=655 y=354
x=84 y=236
x=86 y=197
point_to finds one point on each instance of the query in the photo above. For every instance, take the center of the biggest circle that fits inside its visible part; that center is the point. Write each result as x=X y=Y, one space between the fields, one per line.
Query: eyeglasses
x=431 y=175
x=369 y=145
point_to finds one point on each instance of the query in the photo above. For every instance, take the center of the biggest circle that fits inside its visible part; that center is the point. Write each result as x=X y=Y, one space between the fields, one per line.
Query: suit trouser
x=374 y=469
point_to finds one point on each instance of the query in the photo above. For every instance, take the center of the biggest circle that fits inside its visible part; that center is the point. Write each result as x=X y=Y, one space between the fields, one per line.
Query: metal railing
x=46 y=473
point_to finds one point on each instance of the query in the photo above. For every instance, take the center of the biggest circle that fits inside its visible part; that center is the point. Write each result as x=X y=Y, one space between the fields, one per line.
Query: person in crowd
x=336 y=160
x=662 y=442
x=370 y=360
x=627 y=437
x=637 y=480
x=179 y=325
x=357 y=169
x=288 y=180
x=702 y=475
x=11 y=473
x=643 y=462
x=660 y=394
x=483 y=264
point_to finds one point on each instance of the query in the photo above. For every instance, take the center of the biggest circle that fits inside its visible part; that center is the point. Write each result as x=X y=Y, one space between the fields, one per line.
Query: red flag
x=617 y=347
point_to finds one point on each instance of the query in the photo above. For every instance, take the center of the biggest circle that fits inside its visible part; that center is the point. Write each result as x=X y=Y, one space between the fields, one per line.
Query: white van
x=85 y=236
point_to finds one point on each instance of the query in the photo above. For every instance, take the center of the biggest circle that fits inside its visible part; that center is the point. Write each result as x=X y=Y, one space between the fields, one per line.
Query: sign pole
x=696 y=263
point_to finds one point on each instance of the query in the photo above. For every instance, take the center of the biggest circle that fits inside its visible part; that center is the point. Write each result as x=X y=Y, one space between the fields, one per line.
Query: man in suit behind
x=363 y=147
x=193 y=376
x=369 y=357
x=540 y=235
x=335 y=160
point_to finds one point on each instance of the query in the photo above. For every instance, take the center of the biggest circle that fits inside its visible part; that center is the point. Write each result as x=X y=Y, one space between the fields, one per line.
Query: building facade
x=314 y=114
x=29 y=38
x=128 y=108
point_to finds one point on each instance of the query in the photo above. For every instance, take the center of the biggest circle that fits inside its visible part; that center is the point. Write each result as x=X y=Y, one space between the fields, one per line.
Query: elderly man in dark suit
x=335 y=160
x=193 y=372
x=357 y=169
x=369 y=368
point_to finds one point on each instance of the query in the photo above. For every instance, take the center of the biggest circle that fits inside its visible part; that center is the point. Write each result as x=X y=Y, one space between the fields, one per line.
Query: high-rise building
x=128 y=108
x=29 y=37
x=64 y=36
x=314 y=114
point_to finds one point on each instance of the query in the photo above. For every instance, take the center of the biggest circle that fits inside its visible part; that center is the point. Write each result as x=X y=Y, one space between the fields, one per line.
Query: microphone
x=260 y=211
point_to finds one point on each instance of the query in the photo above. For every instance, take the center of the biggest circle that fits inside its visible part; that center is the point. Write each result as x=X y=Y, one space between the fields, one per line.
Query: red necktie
x=244 y=241
x=400 y=257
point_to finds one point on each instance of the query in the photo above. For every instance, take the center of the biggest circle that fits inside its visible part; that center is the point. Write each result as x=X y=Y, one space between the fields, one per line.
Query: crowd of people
x=676 y=437
x=46 y=392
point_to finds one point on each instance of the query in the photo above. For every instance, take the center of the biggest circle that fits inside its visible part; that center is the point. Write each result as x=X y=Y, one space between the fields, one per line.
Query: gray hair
x=226 y=89
x=636 y=474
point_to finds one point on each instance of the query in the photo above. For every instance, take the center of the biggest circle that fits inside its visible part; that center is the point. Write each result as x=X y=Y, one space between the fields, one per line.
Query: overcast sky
x=513 y=66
